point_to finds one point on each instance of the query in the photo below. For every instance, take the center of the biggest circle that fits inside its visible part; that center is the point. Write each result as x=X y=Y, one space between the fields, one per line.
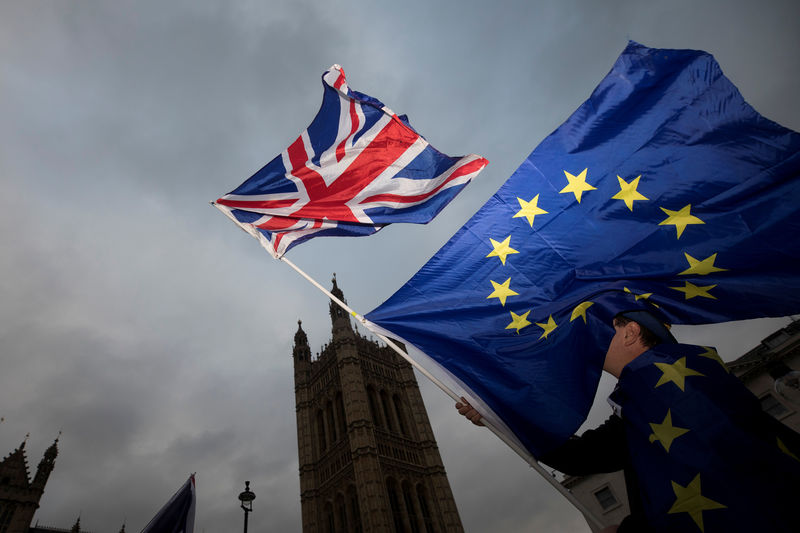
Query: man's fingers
x=466 y=410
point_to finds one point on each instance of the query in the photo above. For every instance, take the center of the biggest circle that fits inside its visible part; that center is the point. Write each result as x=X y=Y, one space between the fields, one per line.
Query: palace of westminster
x=367 y=455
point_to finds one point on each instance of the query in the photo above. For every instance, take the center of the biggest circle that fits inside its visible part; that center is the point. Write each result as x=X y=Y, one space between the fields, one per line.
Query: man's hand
x=469 y=412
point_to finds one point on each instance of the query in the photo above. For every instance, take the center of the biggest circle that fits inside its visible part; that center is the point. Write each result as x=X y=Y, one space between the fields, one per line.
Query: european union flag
x=709 y=459
x=665 y=188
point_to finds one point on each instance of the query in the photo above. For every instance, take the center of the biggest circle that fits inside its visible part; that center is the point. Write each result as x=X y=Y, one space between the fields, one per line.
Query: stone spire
x=46 y=465
x=340 y=320
x=302 y=351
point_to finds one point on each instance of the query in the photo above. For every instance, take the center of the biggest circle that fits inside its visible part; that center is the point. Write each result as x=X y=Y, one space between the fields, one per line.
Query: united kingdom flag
x=357 y=168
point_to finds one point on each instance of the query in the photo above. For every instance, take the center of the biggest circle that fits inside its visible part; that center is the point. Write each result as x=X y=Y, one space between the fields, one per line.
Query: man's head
x=635 y=333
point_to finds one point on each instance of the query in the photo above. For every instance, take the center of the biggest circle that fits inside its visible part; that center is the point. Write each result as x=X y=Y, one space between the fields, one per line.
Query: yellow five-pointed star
x=580 y=311
x=628 y=193
x=676 y=372
x=502 y=249
x=577 y=185
x=690 y=290
x=519 y=321
x=680 y=219
x=701 y=268
x=502 y=291
x=711 y=353
x=548 y=327
x=688 y=499
x=637 y=297
x=785 y=449
x=665 y=432
x=529 y=209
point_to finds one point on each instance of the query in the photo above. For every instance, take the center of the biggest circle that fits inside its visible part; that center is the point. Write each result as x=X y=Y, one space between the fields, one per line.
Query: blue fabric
x=724 y=440
x=714 y=240
x=177 y=515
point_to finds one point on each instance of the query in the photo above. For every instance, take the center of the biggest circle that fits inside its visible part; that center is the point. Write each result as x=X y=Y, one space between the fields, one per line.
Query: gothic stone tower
x=368 y=457
x=19 y=496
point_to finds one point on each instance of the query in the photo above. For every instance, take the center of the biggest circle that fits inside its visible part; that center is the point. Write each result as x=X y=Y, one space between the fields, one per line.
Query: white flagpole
x=502 y=436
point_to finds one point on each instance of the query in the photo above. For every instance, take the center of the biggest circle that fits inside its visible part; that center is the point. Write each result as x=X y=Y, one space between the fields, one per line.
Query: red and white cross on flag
x=357 y=168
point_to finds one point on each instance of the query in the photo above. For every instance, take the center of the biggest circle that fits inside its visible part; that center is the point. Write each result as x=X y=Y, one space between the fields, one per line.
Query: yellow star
x=786 y=450
x=502 y=249
x=502 y=291
x=711 y=353
x=665 y=432
x=580 y=311
x=676 y=372
x=691 y=290
x=637 y=297
x=577 y=184
x=628 y=193
x=529 y=209
x=680 y=219
x=689 y=500
x=519 y=321
x=548 y=327
x=701 y=268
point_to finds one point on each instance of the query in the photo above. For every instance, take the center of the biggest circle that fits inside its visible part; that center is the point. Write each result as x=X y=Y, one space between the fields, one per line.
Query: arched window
x=327 y=519
x=373 y=407
x=394 y=502
x=355 y=510
x=340 y=413
x=341 y=513
x=387 y=410
x=331 y=422
x=408 y=499
x=422 y=497
x=401 y=419
x=322 y=439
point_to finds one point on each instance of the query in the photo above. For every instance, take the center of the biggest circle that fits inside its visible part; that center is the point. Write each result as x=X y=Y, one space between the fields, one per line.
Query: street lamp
x=247 y=498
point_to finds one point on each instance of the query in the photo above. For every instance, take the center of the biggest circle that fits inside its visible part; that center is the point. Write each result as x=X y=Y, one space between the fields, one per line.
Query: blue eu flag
x=664 y=189
x=707 y=458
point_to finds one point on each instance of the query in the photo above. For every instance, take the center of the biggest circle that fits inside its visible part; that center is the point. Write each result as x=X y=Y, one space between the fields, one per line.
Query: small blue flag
x=177 y=515
x=665 y=188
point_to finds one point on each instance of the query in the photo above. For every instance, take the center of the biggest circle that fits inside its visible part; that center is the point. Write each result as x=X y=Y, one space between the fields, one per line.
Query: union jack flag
x=357 y=168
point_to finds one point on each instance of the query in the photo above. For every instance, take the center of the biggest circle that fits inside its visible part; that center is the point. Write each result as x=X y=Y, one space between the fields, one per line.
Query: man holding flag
x=714 y=436
x=667 y=193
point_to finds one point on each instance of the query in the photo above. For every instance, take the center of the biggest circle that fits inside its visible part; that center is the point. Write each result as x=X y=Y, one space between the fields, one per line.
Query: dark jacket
x=602 y=450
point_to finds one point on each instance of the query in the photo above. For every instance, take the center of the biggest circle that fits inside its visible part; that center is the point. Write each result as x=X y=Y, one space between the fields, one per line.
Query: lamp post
x=247 y=498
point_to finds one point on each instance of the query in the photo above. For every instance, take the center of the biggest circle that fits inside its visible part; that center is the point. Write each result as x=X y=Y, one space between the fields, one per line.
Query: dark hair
x=648 y=338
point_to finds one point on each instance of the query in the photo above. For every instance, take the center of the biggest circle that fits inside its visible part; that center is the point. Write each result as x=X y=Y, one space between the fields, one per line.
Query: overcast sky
x=154 y=333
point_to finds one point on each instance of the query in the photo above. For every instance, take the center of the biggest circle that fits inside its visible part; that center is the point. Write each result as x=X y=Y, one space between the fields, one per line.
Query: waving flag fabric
x=357 y=167
x=177 y=515
x=708 y=458
x=664 y=189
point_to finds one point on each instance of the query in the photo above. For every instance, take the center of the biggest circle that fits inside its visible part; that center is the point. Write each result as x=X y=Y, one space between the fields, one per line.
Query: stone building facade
x=19 y=495
x=605 y=495
x=367 y=454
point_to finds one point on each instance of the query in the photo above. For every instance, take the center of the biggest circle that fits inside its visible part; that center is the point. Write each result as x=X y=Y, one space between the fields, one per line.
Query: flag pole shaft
x=527 y=457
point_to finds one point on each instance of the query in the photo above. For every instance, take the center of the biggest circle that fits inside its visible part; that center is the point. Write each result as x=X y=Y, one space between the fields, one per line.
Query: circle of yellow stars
x=577 y=185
